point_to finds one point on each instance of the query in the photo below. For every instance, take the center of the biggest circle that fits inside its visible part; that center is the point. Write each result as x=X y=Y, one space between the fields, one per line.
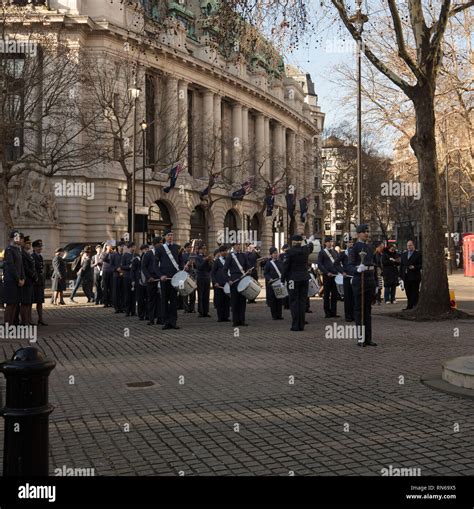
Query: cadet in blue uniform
x=128 y=279
x=366 y=271
x=149 y=269
x=140 y=283
x=295 y=272
x=236 y=265
x=13 y=276
x=203 y=279
x=117 y=280
x=219 y=279
x=342 y=262
x=273 y=271
x=170 y=261
x=107 y=275
x=327 y=265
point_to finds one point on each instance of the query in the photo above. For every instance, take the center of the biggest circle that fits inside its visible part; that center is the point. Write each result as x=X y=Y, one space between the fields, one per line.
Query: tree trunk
x=434 y=293
x=6 y=208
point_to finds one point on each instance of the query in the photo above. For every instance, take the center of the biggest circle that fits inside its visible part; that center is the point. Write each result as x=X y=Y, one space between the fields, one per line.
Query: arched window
x=159 y=219
x=198 y=224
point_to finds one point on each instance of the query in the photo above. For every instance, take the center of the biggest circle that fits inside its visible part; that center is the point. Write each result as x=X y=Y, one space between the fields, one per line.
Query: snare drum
x=184 y=283
x=249 y=288
x=227 y=289
x=280 y=290
x=313 y=287
x=340 y=284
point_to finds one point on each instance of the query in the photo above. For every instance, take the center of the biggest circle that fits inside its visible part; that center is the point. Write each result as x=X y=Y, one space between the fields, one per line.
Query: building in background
x=244 y=120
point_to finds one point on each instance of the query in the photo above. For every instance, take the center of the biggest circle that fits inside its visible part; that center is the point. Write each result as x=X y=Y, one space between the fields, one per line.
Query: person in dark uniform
x=219 y=279
x=342 y=262
x=107 y=275
x=13 y=276
x=170 y=261
x=295 y=272
x=128 y=279
x=236 y=265
x=364 y=270
x=410 y=272
x=273 y=271
x=282 y=258
x=379 y=249
x=26 y=308
x=327 y=265
x=140 y=283
x=85 y=275
x=58 y=277
x=117 y=278
x=252 y=257
x=149 y=269
x=97 y=267
x=38 y=287
x=203 y=279
x=189 y=260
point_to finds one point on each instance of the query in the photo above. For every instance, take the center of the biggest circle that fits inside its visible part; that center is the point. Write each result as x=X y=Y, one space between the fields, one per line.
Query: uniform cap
x=273 y=250
x=297 y=238
x=362 y=228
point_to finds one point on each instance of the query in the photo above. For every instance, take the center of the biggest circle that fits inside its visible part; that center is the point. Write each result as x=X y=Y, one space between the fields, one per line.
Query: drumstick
x=243 y=275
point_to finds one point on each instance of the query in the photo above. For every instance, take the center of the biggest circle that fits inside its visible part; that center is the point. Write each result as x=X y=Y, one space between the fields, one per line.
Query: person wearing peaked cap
x=295 y=272
x=149 y=276
x=219 y=280
x=58 y=278
x=361 y=266
x=27 y=292
x=38 y=287
x=118 y=285
x=252 y=257
x=97 y=275
x=141 y=283
x=129 y=301
x=282 y=258
x=236 y=266
x=272 y=272
x=327 y=264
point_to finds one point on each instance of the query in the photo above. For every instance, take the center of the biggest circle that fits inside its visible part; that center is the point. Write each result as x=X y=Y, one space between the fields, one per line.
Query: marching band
x=154 y=282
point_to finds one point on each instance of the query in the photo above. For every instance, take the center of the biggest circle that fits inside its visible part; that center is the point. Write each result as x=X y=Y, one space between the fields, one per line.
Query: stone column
x=259 y=144
x=290 y=159
x=217 y=133
x=172 y=127
x=183 y=123
x=245 y=139
x=208 y=131
x=279 y=152
x=268 y=165
x=237 y=140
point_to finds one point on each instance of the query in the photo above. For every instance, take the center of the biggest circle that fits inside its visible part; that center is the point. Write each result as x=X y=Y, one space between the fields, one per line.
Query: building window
x=122 y=195
x=13 y=104
x=151 y=8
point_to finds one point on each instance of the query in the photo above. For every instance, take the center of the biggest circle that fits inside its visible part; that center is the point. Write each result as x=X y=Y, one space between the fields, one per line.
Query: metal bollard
x=26 y=413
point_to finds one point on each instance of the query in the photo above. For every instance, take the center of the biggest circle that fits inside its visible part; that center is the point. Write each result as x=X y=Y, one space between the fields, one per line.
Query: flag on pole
x=304 y=208
x=245 y=188
x=212 y=180
x=270 y=192
x=291 y=204
x=173 y=174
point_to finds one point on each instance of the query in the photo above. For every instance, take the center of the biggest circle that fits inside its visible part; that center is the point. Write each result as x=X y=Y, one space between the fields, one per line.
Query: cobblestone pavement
x=225 y=405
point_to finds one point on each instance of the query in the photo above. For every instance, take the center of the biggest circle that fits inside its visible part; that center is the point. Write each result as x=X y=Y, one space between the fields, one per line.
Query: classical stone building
x=240 y=119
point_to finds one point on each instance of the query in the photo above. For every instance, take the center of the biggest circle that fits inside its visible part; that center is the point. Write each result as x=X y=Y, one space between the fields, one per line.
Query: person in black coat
x=379 y=249
x=282 y=258
x=97 y=268
x=107 y=275
x=149 y=269
x=203 y=279
x=390 y=271
x=129 y=302
x=13 y=276
x=295 y=272
x=38 y=287
x=58 y=277
x=118 y=278
x=410 y=272
x=237 y=265
x=219 y=279
x=328 y=267
x=141 y=284
x=252 y=257
x=273 y=271
x=170 y=261
x=27 y=292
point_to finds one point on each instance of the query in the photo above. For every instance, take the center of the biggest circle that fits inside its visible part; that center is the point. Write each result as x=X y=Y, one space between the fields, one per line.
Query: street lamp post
x=134 y=94
x=144 y=126
x=358 y=21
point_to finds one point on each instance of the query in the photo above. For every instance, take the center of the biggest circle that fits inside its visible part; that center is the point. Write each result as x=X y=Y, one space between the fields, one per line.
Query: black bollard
x=26 y=413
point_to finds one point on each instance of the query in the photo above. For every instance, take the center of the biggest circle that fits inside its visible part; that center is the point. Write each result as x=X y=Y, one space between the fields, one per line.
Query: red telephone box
x=468 y=249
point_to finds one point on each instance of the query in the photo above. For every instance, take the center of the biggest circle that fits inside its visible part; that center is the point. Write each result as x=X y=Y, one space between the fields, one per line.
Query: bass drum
x=183 y=283
x=249 y=288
